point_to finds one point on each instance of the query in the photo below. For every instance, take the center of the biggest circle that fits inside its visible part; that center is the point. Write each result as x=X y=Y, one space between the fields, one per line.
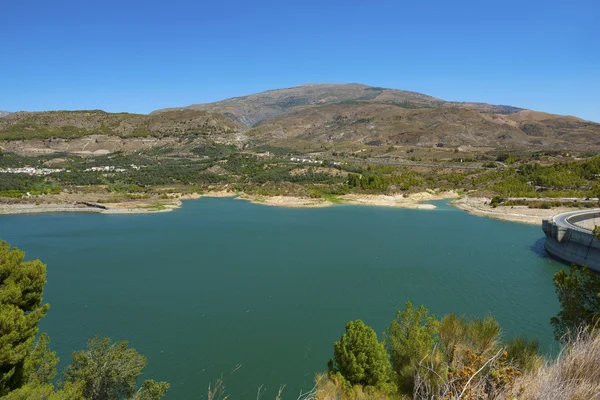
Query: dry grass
x=575 y=375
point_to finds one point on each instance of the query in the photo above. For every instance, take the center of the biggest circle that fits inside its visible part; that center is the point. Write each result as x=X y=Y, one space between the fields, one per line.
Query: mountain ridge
x=315 y=116
x=255 y=108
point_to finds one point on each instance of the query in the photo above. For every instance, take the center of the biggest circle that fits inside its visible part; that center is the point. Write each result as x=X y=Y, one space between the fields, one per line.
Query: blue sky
x=139 y=56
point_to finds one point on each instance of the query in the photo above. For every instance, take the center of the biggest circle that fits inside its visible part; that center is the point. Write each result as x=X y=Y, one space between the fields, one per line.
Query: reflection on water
x=538 y=247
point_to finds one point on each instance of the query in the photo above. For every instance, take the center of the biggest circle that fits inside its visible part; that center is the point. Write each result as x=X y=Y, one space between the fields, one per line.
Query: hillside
x=330 y=113
x=76 y=124
x=392 y=124
x=3 y=113
x=252 y=109
x=306 y=118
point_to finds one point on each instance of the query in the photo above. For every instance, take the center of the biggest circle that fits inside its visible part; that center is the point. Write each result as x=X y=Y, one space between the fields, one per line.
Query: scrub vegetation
x=460 y=358
x=529 y=181
x=313 y=141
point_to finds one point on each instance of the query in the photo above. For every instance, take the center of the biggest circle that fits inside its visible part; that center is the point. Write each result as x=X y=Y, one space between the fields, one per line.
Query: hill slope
x=392 y=124
x=75 y=124
x=3 y=113
x=253 y=109
x=311 y=115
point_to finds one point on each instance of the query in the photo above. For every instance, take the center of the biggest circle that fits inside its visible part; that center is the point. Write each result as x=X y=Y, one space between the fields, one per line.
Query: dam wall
x=569 y=238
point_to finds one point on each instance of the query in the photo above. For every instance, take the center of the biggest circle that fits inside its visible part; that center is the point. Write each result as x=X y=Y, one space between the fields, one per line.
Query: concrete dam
x=569 y=238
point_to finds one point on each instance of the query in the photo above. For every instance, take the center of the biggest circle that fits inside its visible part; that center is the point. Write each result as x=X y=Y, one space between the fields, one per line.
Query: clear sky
x=138 y=56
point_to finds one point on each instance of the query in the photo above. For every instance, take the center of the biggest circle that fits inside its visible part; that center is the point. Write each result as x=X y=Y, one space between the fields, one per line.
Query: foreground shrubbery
x=460 y=358
x=428 y=358
x=425 y=358
x=574 y=375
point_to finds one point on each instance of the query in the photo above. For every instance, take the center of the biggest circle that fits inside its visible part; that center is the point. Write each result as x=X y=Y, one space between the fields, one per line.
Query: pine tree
x=360 y=359
x=110 y=371
x=409 y=338
x=21 y=286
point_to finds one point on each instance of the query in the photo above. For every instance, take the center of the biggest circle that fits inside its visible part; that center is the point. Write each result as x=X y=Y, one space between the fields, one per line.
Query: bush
x=360 y=359
x=408 y=339
x=579 y=295
x=496 y=201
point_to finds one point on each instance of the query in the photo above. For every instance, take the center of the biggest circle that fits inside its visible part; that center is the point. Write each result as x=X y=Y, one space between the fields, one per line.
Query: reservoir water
x=222 y=283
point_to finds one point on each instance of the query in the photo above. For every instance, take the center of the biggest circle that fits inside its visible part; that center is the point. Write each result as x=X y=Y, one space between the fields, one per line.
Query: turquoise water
x=222 y=282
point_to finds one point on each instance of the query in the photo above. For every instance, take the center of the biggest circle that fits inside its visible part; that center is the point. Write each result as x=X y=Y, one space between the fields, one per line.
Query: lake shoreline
x=412 y=201
x=74 y=203
x=478 y=206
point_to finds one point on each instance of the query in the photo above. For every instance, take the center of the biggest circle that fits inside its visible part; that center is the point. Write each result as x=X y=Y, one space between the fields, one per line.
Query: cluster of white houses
x=306 y=160
x=31 y=171
x=105 y=169
x=48 y=171
x=313 y=161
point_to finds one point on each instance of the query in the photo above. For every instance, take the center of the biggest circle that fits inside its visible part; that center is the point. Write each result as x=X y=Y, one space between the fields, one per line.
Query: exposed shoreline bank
x=414 y=201
x=78 y=203
x=74 y=203
x=478 y=206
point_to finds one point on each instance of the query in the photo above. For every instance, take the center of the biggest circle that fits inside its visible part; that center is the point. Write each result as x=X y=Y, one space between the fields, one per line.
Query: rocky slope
x=256 y=108
x=3 y=113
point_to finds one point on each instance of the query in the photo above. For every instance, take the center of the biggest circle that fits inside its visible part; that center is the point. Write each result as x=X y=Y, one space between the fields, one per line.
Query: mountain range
x=311 y=116
x=253 y=109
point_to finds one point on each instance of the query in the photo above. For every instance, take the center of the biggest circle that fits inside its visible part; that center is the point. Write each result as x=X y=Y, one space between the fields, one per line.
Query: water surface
x=222 y=282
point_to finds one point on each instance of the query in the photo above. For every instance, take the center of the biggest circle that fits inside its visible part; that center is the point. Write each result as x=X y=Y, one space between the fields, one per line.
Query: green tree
x=110 y=371
x=151 y=390
x=579 y=295
x=21 y=308
x=40 y=364
x=408 y=339
x=360 y=359
x=36 y=391
x=353 y=180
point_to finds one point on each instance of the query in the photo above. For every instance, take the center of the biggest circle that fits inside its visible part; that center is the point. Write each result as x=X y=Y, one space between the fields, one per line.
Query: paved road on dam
x=563 y=220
